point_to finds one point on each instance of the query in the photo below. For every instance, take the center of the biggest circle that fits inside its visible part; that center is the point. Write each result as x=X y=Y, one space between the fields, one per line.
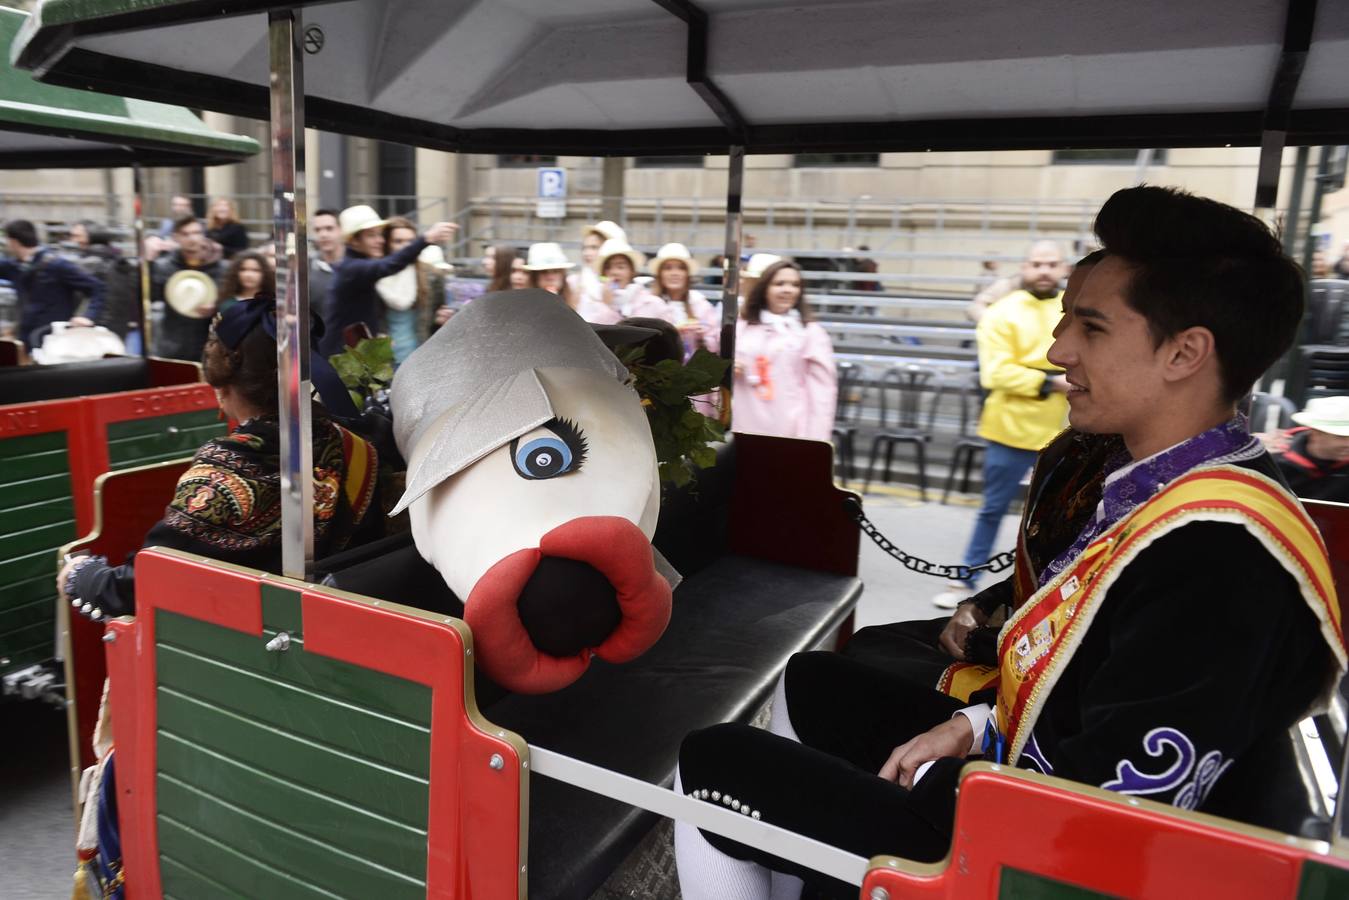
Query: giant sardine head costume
x=533 y=488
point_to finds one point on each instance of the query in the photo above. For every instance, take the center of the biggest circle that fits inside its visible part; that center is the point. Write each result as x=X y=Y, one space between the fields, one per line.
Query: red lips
x=614 y=546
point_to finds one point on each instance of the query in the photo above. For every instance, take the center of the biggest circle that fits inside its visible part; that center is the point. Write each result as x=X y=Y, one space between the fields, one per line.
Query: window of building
x=837 y=159
x=668 y=162
x=524 y=160
x=1105 y=157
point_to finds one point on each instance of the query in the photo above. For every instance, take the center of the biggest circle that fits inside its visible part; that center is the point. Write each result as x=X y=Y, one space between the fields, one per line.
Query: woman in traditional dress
x=228 y=503
x=785 y=380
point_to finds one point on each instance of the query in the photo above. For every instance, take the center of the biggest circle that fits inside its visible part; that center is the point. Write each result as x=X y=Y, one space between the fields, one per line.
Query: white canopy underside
x=615 y=65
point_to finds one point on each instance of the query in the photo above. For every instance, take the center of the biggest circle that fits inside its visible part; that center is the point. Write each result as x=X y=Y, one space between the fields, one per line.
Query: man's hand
x=81 y=321
x=966 y=618
x=440 y=232
x=951 y=738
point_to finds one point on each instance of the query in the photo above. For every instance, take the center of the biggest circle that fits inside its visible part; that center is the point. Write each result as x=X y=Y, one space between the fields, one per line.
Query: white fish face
x=505 y=502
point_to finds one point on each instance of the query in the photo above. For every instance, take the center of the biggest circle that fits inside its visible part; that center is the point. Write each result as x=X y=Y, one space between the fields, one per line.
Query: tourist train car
x=63 y=426
x=282 y=737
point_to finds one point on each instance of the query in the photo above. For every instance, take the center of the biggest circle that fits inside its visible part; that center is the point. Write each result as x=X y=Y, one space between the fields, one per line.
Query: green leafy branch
x=366 y=369
x=682 y=435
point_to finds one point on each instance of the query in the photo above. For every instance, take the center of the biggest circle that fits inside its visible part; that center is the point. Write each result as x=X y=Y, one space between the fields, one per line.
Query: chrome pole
x=730 y=279
x=292 y=293
x=143 y=264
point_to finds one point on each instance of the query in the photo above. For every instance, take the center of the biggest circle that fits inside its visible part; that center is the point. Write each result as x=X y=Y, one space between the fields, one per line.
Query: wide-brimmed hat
x=674 y=252
x=606 y=229
x=757 y=263
x=1328 y=414
x=546 y=256
x=618 y=247
x=191 y=293
x=359 y=218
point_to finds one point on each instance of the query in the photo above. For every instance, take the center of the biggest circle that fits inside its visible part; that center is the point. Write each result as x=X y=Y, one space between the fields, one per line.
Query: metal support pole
x=730 y=279
x=1318 y=197
x=143 y=264
x=1291 y=224
x=292 y=293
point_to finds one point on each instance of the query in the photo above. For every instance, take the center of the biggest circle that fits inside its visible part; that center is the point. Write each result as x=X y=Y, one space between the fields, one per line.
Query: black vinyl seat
x=29 y=384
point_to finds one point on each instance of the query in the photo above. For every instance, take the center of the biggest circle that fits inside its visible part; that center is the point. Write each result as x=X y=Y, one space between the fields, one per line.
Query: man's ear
x=1188 y=352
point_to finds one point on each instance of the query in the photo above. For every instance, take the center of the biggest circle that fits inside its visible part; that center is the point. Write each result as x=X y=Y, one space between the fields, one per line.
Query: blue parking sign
x=552 y=183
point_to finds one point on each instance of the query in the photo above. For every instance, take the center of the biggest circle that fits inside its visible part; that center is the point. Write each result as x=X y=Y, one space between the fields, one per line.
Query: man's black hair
x=1198 y=262
x=183 y=221
x=22 y=231
x=325 y=211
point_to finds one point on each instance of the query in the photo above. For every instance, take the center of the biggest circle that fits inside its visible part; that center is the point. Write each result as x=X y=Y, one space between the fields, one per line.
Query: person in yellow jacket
x=1027 y=401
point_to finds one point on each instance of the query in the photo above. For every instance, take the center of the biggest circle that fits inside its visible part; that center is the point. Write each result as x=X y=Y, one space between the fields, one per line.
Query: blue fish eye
x=543 y=457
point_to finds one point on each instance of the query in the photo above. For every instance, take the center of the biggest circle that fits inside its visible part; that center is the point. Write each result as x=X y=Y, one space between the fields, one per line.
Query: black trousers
x=849 y=715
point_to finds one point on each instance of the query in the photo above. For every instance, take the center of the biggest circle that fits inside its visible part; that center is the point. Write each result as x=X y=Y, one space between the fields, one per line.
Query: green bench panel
x=139 y=442
x=286 y=773
x=37 y=517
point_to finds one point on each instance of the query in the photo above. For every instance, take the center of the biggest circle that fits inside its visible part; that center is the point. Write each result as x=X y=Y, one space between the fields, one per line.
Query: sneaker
x=953 y=596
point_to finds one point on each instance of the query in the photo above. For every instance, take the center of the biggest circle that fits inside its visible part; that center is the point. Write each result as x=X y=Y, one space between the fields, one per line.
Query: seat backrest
x=850 y=387
x=29 y=384
x=901 y=389
x=1326 y=309
x=1264 y=405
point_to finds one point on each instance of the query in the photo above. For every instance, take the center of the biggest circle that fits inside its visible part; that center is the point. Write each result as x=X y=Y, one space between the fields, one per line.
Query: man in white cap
x=352 y=299
x=1313 y=456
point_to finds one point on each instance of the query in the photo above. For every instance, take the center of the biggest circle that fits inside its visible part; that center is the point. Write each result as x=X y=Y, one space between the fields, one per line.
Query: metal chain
x=921 y=566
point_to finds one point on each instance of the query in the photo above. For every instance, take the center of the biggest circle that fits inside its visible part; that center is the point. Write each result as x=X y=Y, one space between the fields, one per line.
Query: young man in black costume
x=1098 y=675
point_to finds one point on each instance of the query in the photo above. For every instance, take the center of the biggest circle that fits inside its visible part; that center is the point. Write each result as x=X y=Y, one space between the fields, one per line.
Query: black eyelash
x=574 y=437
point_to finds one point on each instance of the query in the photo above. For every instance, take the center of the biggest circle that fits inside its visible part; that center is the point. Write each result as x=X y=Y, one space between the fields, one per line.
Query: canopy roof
x=43 y=126
x=611 y=77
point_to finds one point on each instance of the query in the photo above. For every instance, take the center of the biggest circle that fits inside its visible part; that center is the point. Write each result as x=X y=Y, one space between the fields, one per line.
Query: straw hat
x=358 y=218
x=618 y=247
x=674 y=252
x=757 y=263
x=606 y=230
x=546 y=256
x=1328 y=414
x=191 y=293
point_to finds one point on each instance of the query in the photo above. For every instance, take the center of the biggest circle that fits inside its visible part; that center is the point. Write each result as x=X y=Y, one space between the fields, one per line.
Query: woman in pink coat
x=698 y=321
x=785 y=381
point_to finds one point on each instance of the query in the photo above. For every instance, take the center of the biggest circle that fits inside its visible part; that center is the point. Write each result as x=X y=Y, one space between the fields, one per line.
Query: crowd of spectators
x=369 y=274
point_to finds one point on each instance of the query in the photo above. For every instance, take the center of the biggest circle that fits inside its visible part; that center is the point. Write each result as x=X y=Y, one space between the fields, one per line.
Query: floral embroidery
x=1156 y=743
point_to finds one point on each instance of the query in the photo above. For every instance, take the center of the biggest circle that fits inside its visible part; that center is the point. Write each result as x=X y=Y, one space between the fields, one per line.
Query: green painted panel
x=178 y=882
x=349 y=829
x=34 y=465
x=140 y=441
x=281 y=609
x=240 y=874
x=39 y=562
x=1014 y=884
x=351 y=778
x=35 y=490
x=43 y=537
x=370 y=734
x=32 y=443
x=268 y=841
x=21 y=615
x=22 y=592
x=308 y=768
x=337 y=680
x=27 y=656
x=46 y=512
x=1322 y=882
